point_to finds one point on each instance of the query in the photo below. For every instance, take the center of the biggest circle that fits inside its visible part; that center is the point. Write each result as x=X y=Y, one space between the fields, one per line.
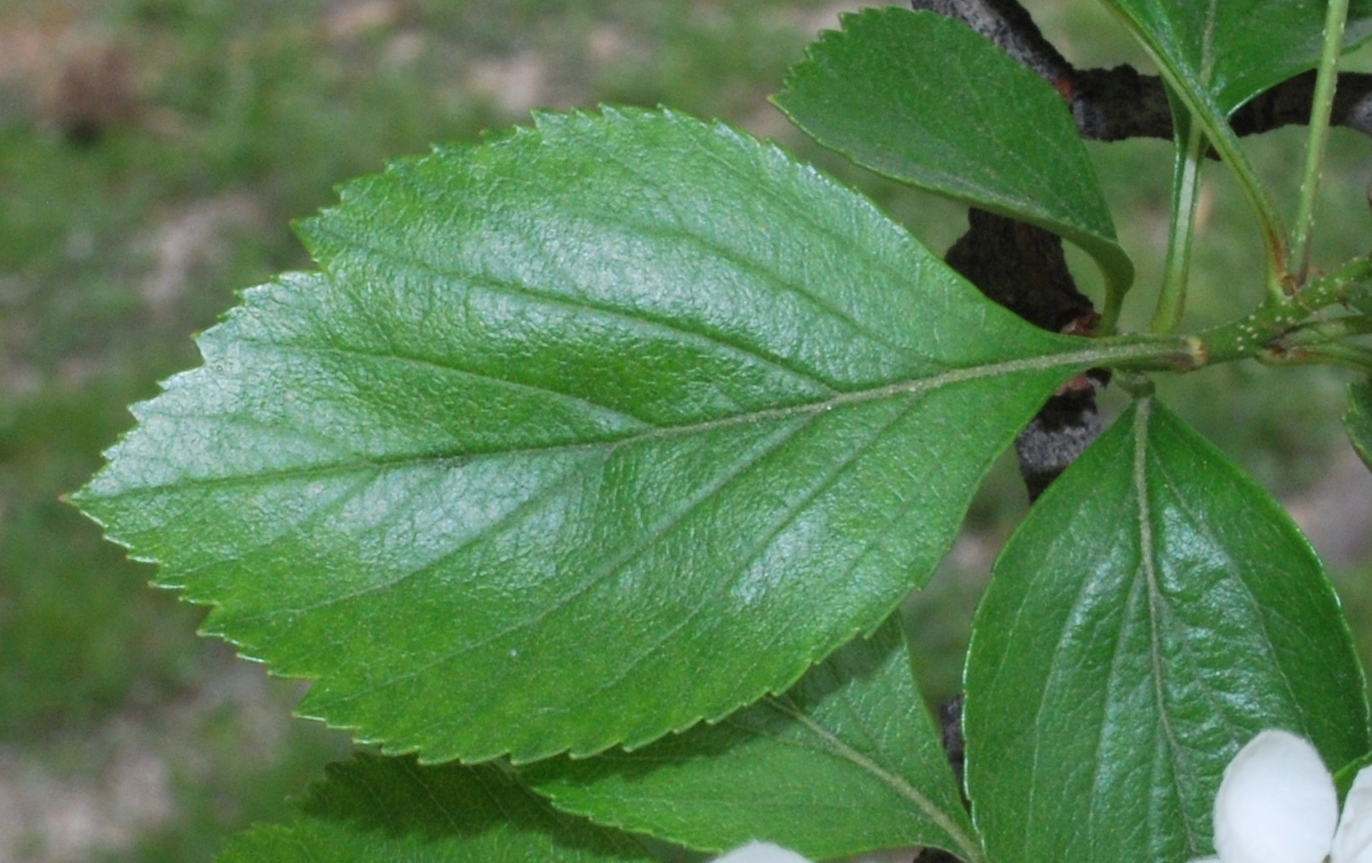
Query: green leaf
x=1344 y=776
x=846 y=761
x=928 y=101
x=1232 y=50
x=1153 y=613
x=581 y=436
x=1218 y=54
x=1357 y=420
x=392 y=809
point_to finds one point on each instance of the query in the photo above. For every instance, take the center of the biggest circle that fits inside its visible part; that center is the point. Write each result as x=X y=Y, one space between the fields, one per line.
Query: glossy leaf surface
x=1357 y=420
x=392 y=809
x=579 y=436
x=848 y=760
x=926 y=100
x=1218 y=54
x=1153 y=613
x=1232 y=50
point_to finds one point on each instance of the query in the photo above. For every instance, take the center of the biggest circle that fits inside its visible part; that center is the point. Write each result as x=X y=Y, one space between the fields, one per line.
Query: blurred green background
x=152 y=155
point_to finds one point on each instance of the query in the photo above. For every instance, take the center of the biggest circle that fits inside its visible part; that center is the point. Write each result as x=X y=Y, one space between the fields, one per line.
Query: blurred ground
x=152 y=153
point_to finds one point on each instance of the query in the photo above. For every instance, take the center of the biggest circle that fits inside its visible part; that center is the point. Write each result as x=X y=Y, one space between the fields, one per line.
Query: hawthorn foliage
x=585 y=473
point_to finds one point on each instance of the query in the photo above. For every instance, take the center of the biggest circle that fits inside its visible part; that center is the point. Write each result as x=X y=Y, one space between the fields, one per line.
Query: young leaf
x=1153 y=613
x=579 y=436
x=928 y=101
x=1218 y=54
x=391 y=809
x=1232 y=50
x=846 y=761
x=1357 y=420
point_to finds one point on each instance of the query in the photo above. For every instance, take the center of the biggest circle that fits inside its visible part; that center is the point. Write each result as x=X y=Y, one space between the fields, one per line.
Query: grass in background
x=115 y=250
x=248 y=113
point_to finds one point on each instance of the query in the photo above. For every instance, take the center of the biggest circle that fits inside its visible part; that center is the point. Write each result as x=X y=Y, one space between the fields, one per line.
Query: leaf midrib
x=1143 y=420
x=966 y=845
x=1084 y=358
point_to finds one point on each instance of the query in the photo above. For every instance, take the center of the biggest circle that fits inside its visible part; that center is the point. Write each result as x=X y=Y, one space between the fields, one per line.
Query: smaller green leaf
x=928 y=101
x=1358 y=419
x=1153 y=613
x=1232 y=50
x=1218 y=54
x=846 y=761
x=392 y=809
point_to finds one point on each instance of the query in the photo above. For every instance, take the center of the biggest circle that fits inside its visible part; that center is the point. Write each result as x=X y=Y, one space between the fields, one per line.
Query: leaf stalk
x=1185 y=195
x=1213 y=120
x=1349 y=356
x=1326 y=79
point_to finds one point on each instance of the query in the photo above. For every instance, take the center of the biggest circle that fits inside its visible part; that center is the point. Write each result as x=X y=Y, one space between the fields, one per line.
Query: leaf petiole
x=1320 y=332
x=1323 y=103
x=1343 y=354
x=1185 y=194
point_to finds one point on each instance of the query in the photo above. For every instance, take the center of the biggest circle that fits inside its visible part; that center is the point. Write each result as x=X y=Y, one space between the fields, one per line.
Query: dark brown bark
x=1114 y=104
x=1022 y=267
x=1119 y=103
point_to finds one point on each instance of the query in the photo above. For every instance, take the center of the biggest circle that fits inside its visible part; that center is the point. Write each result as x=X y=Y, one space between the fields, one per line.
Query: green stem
x=1114 y=304
x=1256 y=333
x=1209 y=115
x=1319 y=332
x=1269 y=222
x=1140 y=353
x=1327 y=77
x=1185 y=194
x=1356 y=357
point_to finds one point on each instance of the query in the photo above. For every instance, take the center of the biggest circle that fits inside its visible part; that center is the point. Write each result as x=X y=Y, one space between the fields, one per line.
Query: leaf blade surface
x=387 y=809
x=1232 y=51
x=1155 y=611
x=615 y=407
x=1217 y=55
x=847 y=761
x=926 y=100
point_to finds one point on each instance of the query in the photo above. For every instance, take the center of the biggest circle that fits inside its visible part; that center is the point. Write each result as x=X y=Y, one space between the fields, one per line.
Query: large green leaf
x=1357 y=420
x=846 y=761
x=927 y=100
x=579 y=436
x=1155 y=610
x=392 y=809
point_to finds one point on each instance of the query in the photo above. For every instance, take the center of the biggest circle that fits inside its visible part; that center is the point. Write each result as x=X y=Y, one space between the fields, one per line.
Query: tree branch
x=1007 y=24
x=1114 y=104
x=1022 y=267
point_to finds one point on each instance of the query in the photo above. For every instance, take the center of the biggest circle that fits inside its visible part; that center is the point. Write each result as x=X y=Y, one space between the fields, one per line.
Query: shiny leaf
x=393 y=809
x=1155 y=611
x=848 y=760
x=1232 y=50
x=926 y=100
x=580 y=436
x=1218 y=54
